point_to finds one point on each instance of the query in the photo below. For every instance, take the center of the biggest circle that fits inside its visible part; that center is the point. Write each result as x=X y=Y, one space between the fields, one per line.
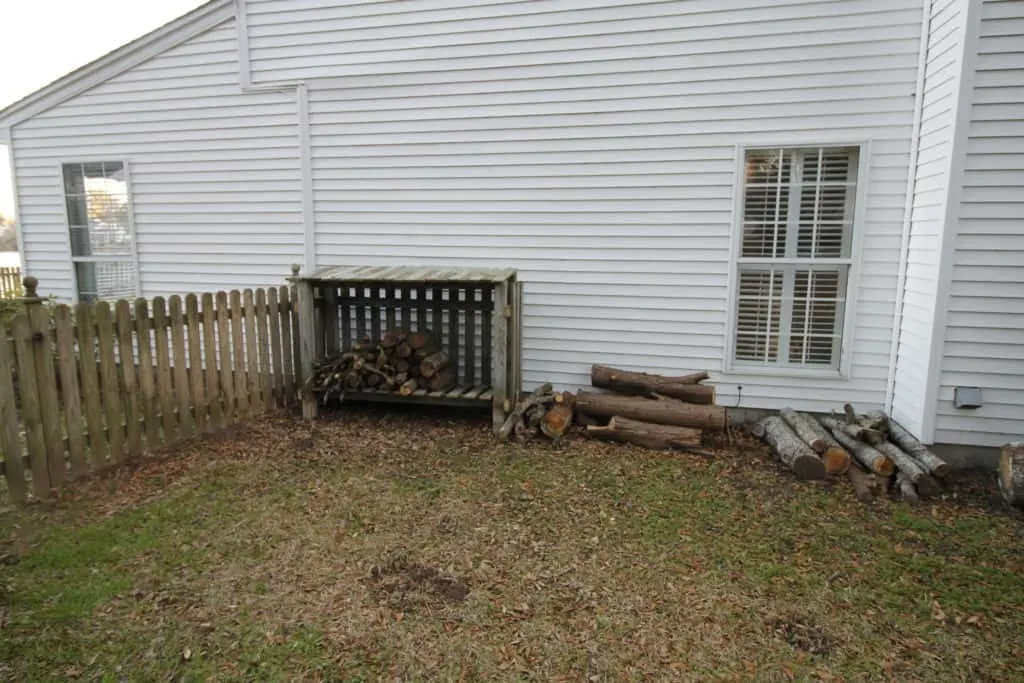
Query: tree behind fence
x=92 y=386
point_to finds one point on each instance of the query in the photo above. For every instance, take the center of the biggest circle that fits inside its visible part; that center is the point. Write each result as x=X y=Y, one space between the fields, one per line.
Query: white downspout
x=908 y=205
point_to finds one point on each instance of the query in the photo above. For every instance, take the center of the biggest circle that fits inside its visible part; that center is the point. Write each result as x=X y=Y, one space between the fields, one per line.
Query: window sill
x=738 y=370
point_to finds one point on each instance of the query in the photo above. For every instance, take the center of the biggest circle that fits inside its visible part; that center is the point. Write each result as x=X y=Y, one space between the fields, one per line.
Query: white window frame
x=845 y=366
x=133 y=256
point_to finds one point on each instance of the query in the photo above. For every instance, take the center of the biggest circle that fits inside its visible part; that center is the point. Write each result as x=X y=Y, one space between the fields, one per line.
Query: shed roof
x=410 y=274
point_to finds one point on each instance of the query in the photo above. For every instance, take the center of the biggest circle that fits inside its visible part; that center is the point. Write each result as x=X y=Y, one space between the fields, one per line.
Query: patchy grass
x=415 y=548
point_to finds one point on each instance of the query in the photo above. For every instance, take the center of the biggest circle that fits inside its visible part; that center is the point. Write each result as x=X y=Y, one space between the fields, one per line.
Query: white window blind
x=794 y=262
x=99 y=226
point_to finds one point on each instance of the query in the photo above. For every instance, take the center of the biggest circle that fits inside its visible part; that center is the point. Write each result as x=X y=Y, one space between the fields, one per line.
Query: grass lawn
x=390 y=547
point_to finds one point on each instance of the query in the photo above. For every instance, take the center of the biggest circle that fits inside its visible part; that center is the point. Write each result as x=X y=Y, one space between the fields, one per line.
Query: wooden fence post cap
x=295 y=269
x=30 y=283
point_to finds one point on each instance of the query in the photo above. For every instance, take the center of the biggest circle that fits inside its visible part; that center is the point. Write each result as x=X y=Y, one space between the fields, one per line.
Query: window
x=795 y=256
x=100 y=229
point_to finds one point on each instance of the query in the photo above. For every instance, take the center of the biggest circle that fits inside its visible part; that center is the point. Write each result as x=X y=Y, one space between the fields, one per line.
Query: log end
x=808 y=468
x=556 y=421
x=927 y=487
x=883 y=466
x=836 y=460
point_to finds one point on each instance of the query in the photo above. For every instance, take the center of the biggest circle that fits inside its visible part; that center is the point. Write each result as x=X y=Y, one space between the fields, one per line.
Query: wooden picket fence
x=10 y=282
x=85 y=388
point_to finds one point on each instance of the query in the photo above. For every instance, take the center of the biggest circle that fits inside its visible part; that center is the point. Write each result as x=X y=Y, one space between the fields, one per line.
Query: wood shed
x=473 y=313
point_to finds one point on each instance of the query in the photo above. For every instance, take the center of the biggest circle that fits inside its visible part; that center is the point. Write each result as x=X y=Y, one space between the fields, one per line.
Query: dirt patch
x=802 y=634
x=409 y=586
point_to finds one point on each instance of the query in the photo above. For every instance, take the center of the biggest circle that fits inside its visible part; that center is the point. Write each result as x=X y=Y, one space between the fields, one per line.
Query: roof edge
x=150 y=45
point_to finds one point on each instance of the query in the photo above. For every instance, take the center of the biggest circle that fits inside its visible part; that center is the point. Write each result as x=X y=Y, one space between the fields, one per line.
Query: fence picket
x=88 y=374
x=31 y=410
x=46 y=377
x=129 y=385
x=147 y=374
x=263 y=339
x=70 y=393
x=277 y=369
x=213 y=395
x=238 y=355
x=111 y=391
x=195 y=363
x=227 y=380
x=296 y=340
x=10 y=439
x=180 y=367
x=164 y=383
x=251 y=353
x=287 y=359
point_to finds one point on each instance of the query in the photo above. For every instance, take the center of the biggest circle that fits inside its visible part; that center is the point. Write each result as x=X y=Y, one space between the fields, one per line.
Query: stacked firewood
x=399 y=361
x=648 y=410
x=872 y=450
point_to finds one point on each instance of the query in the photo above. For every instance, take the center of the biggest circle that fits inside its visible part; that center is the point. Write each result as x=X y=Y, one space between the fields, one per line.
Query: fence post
x=307 y=332
x=46 y=377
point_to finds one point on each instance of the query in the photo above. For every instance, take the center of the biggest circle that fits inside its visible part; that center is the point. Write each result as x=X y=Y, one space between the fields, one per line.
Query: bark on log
x=423 y=382
x=851 y=414
x=641 y=383
x=807 y=428
x=654 y=436
x=791 y=449
x=588 y=420
x=863 y=483
x=432 y=364
x=393 y=337
x=1011 y=473
x=862 y=452
x=409 y=386
x=443 y=381
x=925 y=485
x=932 y=464
x=907 y=489
x=534 y=414
x=421 y=339
x=516 y=416
x=400 y=365
x=556 y=420
x=403 y=350
x=419 y=355
x=660 y=412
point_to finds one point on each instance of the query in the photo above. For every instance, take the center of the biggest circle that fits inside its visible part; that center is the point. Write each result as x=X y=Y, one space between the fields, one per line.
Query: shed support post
x=307 y=346
x=499 y=352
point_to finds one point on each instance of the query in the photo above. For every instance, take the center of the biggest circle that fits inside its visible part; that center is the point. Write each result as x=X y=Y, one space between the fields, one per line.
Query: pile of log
x=542 y=412
x=653 y=411
x=872 y=450
x=400 y=361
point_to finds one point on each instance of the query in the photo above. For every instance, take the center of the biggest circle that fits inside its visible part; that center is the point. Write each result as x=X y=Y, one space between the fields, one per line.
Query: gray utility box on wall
x=475 y=314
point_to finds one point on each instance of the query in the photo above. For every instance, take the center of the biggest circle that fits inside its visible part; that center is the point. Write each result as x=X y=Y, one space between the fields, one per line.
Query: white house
x=818 y=201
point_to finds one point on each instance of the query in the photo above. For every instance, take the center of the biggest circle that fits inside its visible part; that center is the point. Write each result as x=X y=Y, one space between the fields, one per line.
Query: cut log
x=862 y=433
x=791 y=449
x=409 y=386
x=641 y=383
x=907 y=488
x=909 y=468
x=424 y=382
x=932 y=464
x=403 y=350
x=393 y=337
x=851 y=414
x=862 y=452
x=432 y=364
x=660 y=412
x=1011 y=473
x=421 y=339
x=533 y=415
x=807 y=428
x=556 y=420
x=538 y=395
x=654 y=436
x=443 y=381
x=400 y=365
x=863 y=483
x=588 y=420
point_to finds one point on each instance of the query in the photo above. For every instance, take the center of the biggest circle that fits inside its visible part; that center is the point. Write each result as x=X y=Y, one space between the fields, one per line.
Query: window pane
x=107 y=280
x=766 y=203
x=818 y=305
x=759 y=314
x=826 y=208
x=98 y=209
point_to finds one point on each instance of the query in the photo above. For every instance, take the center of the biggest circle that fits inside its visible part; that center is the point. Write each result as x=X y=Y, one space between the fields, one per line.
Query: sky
x=46 y=39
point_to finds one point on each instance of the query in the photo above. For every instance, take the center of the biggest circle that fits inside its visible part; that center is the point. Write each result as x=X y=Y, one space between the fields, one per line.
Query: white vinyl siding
x=214 y=172
x=592 y=146
x=931 y=188
x=984 y=333
x=795 y=255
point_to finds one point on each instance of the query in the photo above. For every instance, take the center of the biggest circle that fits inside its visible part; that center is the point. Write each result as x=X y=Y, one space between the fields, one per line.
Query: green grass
x=329 y=552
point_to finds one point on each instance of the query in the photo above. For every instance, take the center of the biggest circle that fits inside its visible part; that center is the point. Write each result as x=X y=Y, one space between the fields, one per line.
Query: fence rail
x=10 y=282
x=85 y=388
